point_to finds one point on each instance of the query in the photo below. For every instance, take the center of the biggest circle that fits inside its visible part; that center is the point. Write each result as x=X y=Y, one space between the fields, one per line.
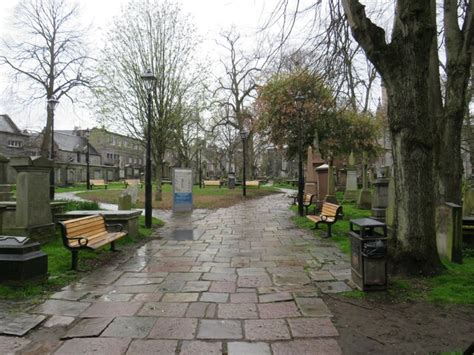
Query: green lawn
x=208 y=198
x=454 y=286
x=59 y=264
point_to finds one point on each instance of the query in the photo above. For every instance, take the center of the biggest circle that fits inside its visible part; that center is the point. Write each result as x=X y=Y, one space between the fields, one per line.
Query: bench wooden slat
x=91 y=229
x=330 y=213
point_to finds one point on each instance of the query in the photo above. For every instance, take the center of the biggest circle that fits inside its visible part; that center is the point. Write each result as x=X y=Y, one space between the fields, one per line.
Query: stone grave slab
x=19 y=324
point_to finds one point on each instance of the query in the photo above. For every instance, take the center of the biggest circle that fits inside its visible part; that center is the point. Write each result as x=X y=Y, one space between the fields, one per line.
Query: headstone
x=125 y=202
x=3 y=169
x=331 y=192
x=322 y=174
x=380 y=198
x=351 y=180
x=33 y=206
x=364 y=200
x=314 y=161
x=449 y=232
x=132 y=190
x=468 y=199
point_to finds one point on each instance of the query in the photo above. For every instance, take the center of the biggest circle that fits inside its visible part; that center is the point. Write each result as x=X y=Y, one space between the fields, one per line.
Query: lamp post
x=52 y=104
x=299 y=100
x=88 y=175
x=149 y=81
x=200 y=167
x=244 y=133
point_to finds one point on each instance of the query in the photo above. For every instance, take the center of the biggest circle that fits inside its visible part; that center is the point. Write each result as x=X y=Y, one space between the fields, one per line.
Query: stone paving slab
x=88 y=327
x=19 y=324
x=248 y=284
x=152 y=347
x=11 y=345
x=103 y=346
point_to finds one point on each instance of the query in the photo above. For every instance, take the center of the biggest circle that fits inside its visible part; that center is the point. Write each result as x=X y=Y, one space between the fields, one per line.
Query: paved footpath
x=244 y=281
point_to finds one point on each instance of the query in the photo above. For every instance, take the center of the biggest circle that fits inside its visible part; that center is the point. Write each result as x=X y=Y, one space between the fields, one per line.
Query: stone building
x=124 y=153
x=111 y=156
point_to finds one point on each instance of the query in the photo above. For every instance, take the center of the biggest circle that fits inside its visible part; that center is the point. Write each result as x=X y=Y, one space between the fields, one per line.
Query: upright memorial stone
x=364 y=200
x=331 y=192
x=380 y=198
x=182 y=190
x=33 y=208
x=5 y=189
x=351 y=180
x=449 y=232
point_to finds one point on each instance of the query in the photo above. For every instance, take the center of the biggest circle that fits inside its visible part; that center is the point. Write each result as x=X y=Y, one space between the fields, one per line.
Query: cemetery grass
x=414 y=315
x=207 y=198
x=59 y=264
x=454 y=286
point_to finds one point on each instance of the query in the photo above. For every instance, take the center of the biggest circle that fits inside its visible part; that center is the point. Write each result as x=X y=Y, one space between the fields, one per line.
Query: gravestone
x=125 y=202
x=449 y=232
x=331 y=192
x=322 y=174
x=33 y=206
x=5 y=189
x=468 y=199
x=351 y=180
x=132 y=190
x=364 y=200
x=380 y=198
x=311 y=179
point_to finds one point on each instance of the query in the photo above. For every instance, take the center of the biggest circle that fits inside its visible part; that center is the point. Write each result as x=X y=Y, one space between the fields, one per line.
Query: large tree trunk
x=404 y=65
x=45 y=149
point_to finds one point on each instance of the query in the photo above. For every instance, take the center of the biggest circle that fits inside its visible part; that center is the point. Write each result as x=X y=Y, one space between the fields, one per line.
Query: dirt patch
x=366 y=326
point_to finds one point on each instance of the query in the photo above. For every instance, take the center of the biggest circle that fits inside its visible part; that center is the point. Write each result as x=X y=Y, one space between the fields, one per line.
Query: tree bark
x=404 y=65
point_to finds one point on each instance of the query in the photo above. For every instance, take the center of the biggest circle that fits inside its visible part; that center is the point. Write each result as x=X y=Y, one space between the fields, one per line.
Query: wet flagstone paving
x=249 y=283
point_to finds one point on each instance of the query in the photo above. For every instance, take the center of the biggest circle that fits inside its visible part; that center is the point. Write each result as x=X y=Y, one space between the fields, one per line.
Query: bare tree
x=48 y=52
x=155 y=35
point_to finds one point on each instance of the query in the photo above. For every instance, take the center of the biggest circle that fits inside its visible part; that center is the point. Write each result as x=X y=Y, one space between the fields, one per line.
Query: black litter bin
x=368 y=254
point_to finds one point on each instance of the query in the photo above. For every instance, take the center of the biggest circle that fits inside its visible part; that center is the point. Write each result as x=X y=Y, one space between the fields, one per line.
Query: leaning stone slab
x=62 y=308
x=313 y=307
x=89 y=327
x=19 y=324
x=94 y=346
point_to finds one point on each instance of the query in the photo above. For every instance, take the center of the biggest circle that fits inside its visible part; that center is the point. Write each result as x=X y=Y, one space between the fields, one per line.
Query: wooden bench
x=132 y=182
x=98 y=182
x=211 y=183
x=329 y=215
x=88 y=233
x=307 y=200
x=252 y=183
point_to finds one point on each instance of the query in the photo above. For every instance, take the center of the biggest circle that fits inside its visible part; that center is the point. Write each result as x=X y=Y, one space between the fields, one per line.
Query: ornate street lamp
x=87 y=134
x=299 y=101
x=244 y=133
x=149 y=80
x=52 y=104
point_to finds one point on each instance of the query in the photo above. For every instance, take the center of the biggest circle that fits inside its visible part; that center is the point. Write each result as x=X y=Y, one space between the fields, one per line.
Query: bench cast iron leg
x=329 y=232
x=74 y=260
x=112 y=246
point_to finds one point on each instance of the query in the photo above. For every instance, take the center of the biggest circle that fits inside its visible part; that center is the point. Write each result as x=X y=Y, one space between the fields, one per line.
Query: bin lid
x=367 y=222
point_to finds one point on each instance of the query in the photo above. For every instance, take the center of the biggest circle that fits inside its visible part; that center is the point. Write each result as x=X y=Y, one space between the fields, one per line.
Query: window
x=130 y=160
x=78 y=157
x=15 y=144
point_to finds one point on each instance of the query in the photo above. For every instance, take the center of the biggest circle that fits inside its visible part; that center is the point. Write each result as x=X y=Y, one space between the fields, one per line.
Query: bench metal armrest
x=114 y=227
x=323 y=218
x=83 y=241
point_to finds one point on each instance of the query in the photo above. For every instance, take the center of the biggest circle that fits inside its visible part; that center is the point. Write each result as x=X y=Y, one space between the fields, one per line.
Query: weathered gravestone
x=380 y=198
x=351 y=180
x=364 y=201
x=449 y=232
x=33 y=216
x=125 y=202
x=5 y=189
x=468 y=199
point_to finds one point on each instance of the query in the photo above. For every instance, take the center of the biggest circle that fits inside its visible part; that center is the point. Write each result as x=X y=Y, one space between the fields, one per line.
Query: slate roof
x=68 y=141
x=7 y=125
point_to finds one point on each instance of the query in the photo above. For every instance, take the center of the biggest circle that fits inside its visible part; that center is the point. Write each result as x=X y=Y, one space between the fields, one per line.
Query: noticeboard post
x=182 y=190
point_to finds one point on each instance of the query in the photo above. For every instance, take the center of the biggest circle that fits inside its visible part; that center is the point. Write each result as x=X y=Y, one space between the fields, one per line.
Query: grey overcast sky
x=209 y=16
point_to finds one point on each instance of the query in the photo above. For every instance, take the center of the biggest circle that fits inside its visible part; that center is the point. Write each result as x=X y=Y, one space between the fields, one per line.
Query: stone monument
x=331 y=191
x=125 y=202
x=322 y=173
x=364 y=201
x=468 y=199
x=33 y=216
x=380 y=198
x=449 y=232
x=314 y=160
x=351 y=180
x=5 y=189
